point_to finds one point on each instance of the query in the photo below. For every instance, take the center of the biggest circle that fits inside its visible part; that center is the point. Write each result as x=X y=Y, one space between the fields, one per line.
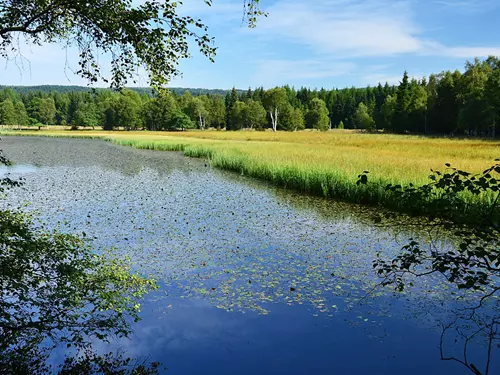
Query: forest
x=450 y=103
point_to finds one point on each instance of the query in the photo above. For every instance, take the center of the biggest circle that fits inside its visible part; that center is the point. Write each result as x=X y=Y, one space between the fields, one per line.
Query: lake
x=253 y=278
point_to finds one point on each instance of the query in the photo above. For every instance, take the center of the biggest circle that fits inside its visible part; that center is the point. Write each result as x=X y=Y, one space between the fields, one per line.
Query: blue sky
x=315 y=43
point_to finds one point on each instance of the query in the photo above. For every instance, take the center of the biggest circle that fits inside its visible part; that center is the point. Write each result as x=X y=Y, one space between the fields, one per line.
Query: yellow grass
x=320 y=163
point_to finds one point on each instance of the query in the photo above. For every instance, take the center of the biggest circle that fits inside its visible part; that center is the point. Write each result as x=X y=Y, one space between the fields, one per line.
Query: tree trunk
x=273 y=122
x=201 y=122
x=276 y=119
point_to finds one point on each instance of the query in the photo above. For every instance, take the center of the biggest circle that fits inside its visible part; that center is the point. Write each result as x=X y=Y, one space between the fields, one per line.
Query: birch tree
x=197 y=110
x=274 y=102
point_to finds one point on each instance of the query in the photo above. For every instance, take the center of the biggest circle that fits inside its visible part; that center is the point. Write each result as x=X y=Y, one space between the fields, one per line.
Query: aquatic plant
x=323 y=164
x=56 y=290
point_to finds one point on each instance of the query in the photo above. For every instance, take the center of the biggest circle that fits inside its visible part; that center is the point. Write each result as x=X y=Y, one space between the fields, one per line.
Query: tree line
x=47 y=89
x=465 y=103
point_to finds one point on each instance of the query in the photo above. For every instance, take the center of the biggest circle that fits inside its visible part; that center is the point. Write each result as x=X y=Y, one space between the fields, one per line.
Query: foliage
x=470 y=260
x=402 y=104
x=181 y=121
x=45 y=111
x=7 y=113
x=492 y=91
x=152 y=35
x=238 y=115
x=317 y=115
x=292 y=119
x=159 y=112
x=471 y=263
x=298 y=119
x=362 y=119
x=254 y=115
x=230 y=100
x=66 y=89
x=21 y=114
x=53 y=286
x=217 y=109
x=88 y=362
x=274 y=102
x=250 y=114
x=446 y=103
x=56 y=290
x=86 y=115
x=387 y=111
x=197 y=111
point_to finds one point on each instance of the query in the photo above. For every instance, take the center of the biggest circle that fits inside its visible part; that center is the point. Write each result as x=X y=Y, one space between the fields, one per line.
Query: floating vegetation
x=323 y=164
x=215 y=236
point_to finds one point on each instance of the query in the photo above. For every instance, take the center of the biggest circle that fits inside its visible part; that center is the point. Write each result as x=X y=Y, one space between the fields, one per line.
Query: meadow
x=325 y=164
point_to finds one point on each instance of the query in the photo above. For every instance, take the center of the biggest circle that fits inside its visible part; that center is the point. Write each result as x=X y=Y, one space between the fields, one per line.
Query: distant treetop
x=62 y=89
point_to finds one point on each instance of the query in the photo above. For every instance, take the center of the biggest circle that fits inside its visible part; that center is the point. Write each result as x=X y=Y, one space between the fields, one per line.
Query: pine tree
x=403 y=100
x=492 y=93
x=249 y=94
x=445 y=112
x=231 y=100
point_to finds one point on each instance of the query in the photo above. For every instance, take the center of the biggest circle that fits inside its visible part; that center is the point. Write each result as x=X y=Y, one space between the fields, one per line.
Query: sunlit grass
x=325 y=164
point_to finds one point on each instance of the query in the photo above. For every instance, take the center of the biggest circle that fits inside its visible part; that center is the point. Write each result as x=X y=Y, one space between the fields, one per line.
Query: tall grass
x=324 y=164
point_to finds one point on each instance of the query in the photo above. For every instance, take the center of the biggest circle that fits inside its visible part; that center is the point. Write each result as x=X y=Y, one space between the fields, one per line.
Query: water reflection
x=193 y=337
x=254 y=277
x=465 y=330
x=54 y=152
x=18 y=169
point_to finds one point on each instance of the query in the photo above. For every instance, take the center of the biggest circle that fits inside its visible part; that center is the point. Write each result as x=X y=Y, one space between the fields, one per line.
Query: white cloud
x=301 y=42
x=358 y=28
x=346 y=28
x=467 y=52
x=462 y=52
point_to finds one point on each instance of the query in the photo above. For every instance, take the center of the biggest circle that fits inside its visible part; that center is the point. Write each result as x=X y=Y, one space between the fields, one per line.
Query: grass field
x=325 y=164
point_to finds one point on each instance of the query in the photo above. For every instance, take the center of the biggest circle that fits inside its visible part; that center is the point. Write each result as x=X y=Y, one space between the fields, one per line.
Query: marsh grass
x=323 y=164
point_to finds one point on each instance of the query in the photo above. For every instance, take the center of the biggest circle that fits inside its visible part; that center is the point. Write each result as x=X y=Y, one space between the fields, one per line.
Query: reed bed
x=324 y=164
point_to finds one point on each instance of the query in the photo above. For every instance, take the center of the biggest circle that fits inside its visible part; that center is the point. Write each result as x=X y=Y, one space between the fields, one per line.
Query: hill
x=141 y=90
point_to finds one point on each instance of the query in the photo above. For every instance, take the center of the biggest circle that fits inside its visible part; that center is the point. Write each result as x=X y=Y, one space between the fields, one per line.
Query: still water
x=254 y=279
